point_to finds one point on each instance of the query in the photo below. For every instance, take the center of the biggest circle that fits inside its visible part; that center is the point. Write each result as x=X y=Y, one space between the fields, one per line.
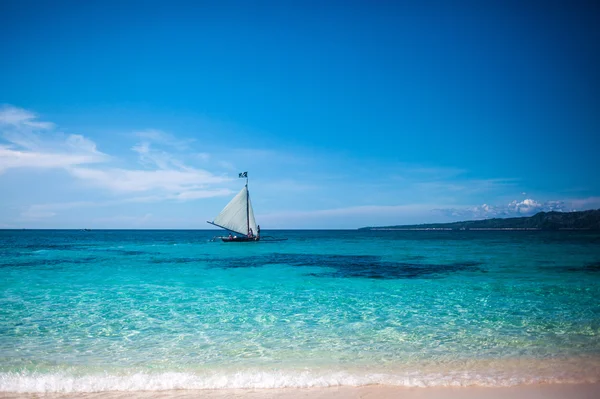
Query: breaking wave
x=63 y=382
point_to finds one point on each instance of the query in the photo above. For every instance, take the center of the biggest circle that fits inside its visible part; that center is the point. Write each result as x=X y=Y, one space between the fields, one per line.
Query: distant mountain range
x=584 y=220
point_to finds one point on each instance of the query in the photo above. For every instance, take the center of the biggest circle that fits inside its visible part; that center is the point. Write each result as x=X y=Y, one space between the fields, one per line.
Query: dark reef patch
x=50 y=246
x=49 y=262
x=360 y=266
x=133 y=253
x=415 y=257
x=128 y=252
x=177 y=260
x=593 y=267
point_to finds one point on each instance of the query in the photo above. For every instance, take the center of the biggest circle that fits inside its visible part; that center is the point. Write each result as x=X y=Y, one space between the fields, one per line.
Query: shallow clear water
x=133 y=310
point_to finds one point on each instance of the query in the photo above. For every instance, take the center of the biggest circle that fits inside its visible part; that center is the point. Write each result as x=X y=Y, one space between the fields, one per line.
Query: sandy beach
x=545 y=391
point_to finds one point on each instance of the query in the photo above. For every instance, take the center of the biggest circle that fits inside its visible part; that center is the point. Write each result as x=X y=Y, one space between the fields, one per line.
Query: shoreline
x=535 y=391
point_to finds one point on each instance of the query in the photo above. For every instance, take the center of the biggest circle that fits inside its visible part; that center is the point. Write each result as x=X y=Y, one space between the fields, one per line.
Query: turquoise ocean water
x=151 y=310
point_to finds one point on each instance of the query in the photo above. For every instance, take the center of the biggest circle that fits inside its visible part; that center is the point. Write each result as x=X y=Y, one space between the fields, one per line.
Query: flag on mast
x=243 y=174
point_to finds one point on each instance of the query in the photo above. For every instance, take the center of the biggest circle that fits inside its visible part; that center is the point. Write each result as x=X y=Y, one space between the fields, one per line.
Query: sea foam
x=62 y=382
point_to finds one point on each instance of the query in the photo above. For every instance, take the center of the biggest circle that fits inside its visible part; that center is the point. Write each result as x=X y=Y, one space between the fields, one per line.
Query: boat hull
x=239 y=239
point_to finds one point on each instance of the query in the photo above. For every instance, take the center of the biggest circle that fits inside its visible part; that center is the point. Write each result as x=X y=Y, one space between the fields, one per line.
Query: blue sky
x=345 y=114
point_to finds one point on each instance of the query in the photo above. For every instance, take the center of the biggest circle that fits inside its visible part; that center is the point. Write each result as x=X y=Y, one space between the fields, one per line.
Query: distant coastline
x=547 y=221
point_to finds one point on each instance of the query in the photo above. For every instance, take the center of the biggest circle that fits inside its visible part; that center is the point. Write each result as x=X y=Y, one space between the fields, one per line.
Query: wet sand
x=542 y=391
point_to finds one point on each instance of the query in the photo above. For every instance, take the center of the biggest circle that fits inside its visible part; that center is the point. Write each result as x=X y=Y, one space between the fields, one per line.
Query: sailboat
x=238 y=217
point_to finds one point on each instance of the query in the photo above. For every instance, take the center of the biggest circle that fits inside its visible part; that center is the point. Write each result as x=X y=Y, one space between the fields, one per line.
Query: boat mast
x=247 y=208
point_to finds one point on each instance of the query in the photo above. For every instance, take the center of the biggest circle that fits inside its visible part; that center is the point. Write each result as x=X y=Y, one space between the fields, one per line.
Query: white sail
x=251 y=216
x=236 y=215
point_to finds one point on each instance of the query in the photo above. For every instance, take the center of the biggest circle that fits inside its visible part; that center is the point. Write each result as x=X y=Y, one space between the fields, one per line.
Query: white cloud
x=18 y=117
x=151 y=158
x=162 y=138
x=22 y=138
x=30 y=159
x=34 y=144
x=349 y=217
x=168 y=175
x=203 y=156
x=43 y=211
x=125 y=180
x=78 y=143
x=526 y=207
x=141 y=148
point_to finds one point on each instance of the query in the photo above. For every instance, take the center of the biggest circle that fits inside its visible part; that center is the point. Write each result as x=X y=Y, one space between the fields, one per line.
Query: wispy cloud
x=153 y=158
x=515 y=208
x=585 y=203
x=124 y=180
x=468 y=186
x=203 y=156
x=18 y=117
x=49 y=210
x=34 y=144
x=307 y=188
x=168 y=172
x=355 y=210
x=31 y=143
x=374 y=215
x=163 y=138
x=10 y=158
x=349 y=217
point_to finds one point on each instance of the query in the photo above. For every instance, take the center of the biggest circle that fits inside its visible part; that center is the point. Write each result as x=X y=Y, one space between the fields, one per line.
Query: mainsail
x=238 y=215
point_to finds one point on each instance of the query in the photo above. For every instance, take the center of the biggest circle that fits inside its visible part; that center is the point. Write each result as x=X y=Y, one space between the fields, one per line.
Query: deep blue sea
x=105 y=310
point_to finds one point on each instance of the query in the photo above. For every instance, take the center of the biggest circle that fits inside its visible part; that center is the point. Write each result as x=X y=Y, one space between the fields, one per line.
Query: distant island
x=583 y=220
